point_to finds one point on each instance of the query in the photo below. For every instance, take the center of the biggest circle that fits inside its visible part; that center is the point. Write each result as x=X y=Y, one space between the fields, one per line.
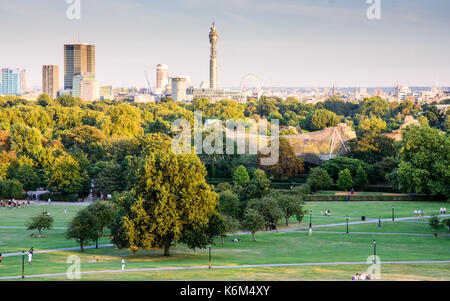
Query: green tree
x=171 y=195
x=229 y=204
x=40 y=222
x=240 y=176
x=103 y=213
x=25 y=140
x=322 y=119
x=44 y=100
x=424 y=161
x=253 y=221
x=84 y=228
x=288 y=164
x=11 y=189
x=319 y=179
x=290 y=206
x=435 y=223
x=361 y=180
x=65 y=175
x=26 y=175
x=345 y=181
x=269 y=208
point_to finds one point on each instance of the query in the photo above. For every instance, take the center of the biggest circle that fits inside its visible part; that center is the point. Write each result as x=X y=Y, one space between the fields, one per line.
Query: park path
x=228 y=267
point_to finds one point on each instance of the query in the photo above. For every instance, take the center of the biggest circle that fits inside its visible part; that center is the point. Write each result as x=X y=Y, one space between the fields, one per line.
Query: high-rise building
x=106 y=92
x=213 y=38
x=162 y=76
x=11 y=81
x=78 y=59
x=180 y=84
x=50 y=80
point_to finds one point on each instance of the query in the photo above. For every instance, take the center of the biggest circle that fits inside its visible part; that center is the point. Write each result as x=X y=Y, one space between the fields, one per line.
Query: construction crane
x=148 y=82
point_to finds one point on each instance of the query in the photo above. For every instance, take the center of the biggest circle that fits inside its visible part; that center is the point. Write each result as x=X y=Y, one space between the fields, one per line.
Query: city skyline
x=303 y=44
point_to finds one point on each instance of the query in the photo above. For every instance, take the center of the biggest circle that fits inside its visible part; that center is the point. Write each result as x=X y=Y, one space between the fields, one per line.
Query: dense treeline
x=67 y=144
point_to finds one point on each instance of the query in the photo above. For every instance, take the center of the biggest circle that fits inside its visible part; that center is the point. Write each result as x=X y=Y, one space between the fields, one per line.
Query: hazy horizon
x=286 y=43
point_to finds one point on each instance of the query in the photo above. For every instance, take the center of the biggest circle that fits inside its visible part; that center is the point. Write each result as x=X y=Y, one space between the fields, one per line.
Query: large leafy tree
x=322 y=119
x=25 y=140
x=65 y=175
x=84 y=228
x=171 y=195
x=319 y=179
x=11 y=189
x=26 y=175
x=240 y=176
x=103 y=213
x=253 y=221
x=290 y=206
x=287 y=166
x=345 y=181
x=424 y=161
x=40 y=222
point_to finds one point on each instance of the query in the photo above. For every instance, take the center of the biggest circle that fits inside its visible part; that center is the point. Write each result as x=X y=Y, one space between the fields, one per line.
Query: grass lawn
x=282 y=247
x=409 y=226
x=269 y=248
x=19 y=217
x=391 y=272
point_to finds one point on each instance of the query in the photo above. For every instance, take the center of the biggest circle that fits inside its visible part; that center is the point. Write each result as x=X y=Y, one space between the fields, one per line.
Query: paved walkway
x=226 y=267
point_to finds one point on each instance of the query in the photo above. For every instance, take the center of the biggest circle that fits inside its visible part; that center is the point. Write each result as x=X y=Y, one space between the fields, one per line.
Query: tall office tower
x=11 y=83
x=213 y=37
x=180 y=84
x=78 y=59
x=50 y=80
x=162 y=76
x=24 y=87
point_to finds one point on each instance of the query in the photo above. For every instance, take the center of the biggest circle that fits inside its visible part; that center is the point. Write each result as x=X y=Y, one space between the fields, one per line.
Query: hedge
x=402 y=197
x=58 y=197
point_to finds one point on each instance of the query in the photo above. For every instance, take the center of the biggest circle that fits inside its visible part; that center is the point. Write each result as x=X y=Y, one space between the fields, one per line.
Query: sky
x=285 y=43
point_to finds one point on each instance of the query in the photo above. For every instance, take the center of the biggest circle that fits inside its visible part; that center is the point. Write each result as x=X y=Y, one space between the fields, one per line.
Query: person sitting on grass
x=93 y=259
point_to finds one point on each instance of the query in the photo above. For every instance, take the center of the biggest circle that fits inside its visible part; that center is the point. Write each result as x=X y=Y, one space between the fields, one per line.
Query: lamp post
x=392 y=213
x=23 y=264
x=347 y=225
x=374 y=251
x=209 y=256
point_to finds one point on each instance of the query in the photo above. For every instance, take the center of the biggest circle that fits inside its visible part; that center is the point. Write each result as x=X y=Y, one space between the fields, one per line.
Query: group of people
x=418 y=213
x=362 y=276
x=14 y=204
x=327 y=212
x=443 y=210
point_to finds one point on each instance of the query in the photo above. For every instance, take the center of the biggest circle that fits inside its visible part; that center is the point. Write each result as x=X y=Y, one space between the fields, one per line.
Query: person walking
x=30 y=257
x=49 y=201
x=379 y=224
x=0 y=258
x=123 y=264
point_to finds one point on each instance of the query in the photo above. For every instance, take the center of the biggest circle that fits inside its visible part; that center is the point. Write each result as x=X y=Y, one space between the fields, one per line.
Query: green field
x=270 y=248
